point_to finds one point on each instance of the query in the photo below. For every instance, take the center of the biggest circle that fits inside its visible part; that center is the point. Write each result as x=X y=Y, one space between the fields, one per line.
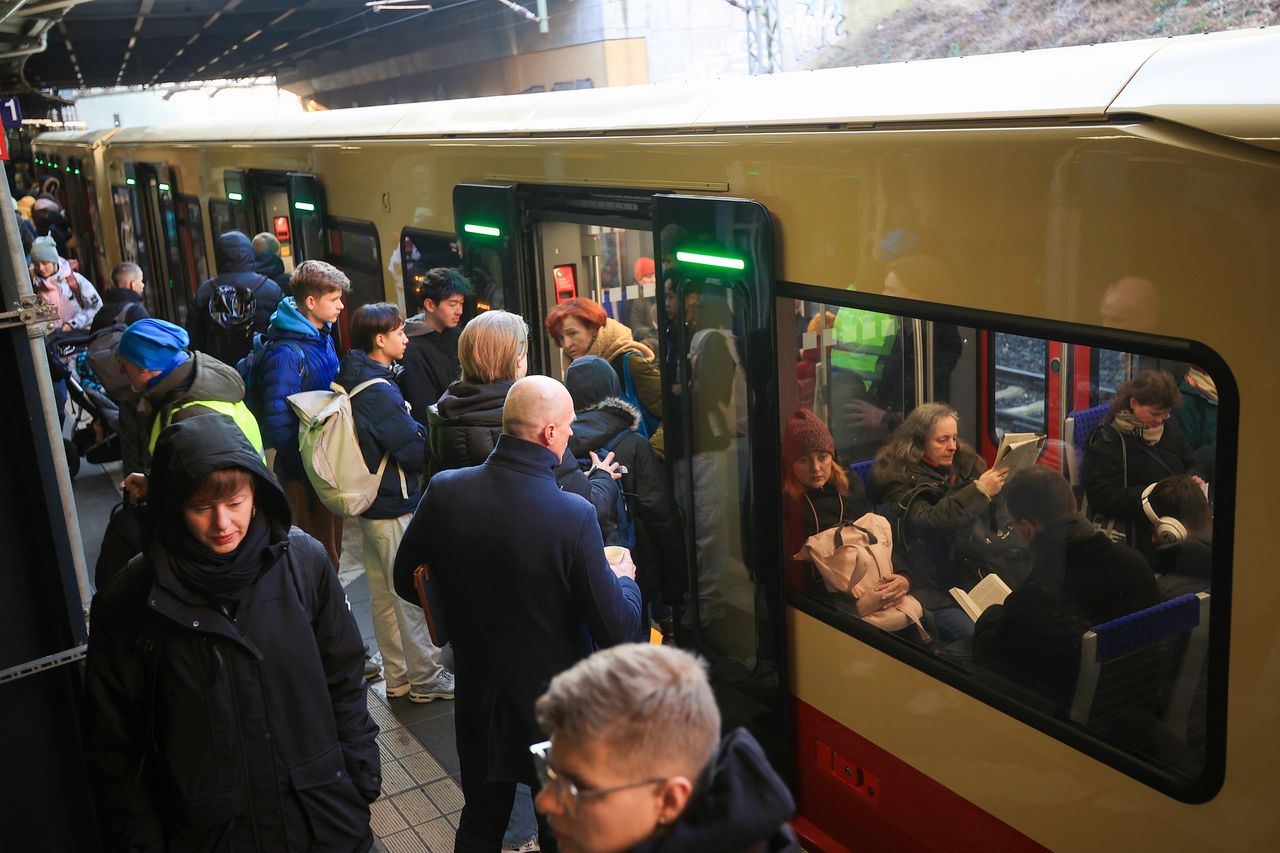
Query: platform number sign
x=10 y=113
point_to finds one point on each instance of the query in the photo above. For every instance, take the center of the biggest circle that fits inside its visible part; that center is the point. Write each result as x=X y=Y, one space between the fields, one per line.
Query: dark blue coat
x=278 y=373
x=234 y=253
x=520 y=567
x=385 y=426
x=208 y=733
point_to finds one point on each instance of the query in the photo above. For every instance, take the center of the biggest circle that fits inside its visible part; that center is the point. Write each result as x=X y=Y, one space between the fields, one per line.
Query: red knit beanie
x=806 y=433
x=644 y=267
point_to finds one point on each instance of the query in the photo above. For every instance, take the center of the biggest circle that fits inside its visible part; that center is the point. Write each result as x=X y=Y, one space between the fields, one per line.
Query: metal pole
x=15 y=282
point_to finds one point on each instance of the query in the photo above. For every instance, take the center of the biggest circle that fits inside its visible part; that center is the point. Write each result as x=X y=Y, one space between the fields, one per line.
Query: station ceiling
x=145 y=42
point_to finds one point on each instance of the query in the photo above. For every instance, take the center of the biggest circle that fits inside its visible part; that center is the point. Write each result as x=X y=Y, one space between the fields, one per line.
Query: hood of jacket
x=1049 y=549
x=234 y=252
x=467 y=401
x=739 y=801
x=287 y=318
x=357 y=367
x=590 y=379
x=267 y=264
x=203 y=377
x=417 y=326
x=190 y=449
x=594 y=427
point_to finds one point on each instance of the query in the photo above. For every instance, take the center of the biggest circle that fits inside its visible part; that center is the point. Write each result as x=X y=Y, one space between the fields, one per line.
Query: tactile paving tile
x=382 y=715
x=452 y=817
x=415 y=807
x=446 y=795
x=423 y=767
x=385 y=820
x=398 y=743
x=407 y=841
x=395 y=778
x=437 y=835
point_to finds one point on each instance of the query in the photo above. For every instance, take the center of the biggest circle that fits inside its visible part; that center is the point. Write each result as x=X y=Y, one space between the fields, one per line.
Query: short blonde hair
x=651 y=706
x=490 y=346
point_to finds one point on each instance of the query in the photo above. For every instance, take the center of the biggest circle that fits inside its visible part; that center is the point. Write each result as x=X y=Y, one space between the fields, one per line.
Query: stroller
x=96 y=436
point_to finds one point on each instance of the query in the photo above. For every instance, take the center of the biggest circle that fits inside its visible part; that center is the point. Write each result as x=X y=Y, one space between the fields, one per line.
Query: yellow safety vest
x=237 y=411
x=861 y=338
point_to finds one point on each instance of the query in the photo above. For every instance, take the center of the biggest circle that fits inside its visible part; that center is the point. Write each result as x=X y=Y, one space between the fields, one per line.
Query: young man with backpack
x=233 y=306
x=297 y=354
x=390 y=441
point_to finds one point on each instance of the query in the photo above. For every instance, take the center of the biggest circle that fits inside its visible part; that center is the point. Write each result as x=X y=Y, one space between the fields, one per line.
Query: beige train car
x=1020 y=233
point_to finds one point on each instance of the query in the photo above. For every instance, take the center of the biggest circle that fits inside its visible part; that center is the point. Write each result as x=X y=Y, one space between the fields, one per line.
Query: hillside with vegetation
x=929 y=29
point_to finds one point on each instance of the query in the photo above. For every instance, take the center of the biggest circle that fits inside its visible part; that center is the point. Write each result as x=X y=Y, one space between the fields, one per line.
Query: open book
x=1019 y=450
x=990 y=590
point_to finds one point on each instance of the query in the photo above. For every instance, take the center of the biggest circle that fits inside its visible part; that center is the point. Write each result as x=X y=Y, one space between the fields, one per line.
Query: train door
x=421 y=251
x=136 y=244
x=195 y=259
x=722 y=438
x=155 y=202
x=290 y=205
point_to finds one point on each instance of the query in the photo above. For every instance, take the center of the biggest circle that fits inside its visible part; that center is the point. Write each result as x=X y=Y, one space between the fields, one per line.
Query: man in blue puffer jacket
x=297 y=354
x=387 y=430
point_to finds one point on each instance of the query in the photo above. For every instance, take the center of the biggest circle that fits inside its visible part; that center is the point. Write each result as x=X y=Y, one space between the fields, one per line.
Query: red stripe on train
x=853 y=795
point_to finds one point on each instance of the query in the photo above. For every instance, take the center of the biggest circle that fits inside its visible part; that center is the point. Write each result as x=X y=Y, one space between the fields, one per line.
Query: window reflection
x=1018 y=569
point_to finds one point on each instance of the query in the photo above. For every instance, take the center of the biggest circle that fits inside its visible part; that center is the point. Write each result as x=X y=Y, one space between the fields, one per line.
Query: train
x=1054 y=220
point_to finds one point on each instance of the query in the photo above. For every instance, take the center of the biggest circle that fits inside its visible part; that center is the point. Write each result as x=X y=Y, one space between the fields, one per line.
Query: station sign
x=10 y=114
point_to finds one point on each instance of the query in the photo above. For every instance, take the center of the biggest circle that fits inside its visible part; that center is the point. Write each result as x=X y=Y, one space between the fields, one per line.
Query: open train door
x=722 y=445
x=487 y=222
x=306 y=218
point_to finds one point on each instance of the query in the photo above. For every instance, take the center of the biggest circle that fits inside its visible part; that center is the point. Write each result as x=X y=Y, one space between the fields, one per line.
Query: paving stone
x=415 y=806
x=423 y=768
x=382 y=714
x=446 y=795
x=437 y=835
x=395 y=778
x=385 y=820
x=397 y=743
x=407 y=841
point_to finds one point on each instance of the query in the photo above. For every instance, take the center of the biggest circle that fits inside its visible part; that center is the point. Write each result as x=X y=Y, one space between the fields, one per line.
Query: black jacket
x=234 y=253
x=384 y=426
x=602 y=415
x=430 y=365
x=119 y=305
x=205 y=732
x=932 y=512
x=739 y=805
x=1182 y=568
x=265 y=263
x=464 y=426
x=521 y=570
x=1079 y=578
x=1105 y=474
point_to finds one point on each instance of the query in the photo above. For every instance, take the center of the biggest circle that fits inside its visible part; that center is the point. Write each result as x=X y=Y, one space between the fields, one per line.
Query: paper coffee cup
x=614 y=554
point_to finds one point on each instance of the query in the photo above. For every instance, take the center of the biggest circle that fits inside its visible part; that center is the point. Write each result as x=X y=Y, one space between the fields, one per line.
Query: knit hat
x=644 y=267
x=154 y=344
x=43 y=203
x=806 y=433
x=44 y=249
x=26 y=203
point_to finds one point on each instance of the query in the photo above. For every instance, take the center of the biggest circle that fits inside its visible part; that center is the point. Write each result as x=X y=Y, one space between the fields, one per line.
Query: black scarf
x=221 y=579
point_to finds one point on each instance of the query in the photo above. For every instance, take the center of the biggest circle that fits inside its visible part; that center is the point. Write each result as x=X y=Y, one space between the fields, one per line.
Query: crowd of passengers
x=227 y=679
x=1136 y=533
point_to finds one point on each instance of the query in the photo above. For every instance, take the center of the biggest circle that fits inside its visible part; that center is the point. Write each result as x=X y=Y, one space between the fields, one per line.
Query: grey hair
x=490 y=346
x=906 y=446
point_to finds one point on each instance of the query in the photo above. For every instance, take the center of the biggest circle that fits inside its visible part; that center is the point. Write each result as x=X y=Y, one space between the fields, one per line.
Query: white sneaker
x=397 y=691
x=441 y=689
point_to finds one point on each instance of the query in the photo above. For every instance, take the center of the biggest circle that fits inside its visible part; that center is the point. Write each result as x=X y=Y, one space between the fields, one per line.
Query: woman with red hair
x=581 y=327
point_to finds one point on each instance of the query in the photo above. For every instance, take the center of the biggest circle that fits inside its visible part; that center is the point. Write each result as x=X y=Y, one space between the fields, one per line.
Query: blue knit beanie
x=154 y=344
x=44 y=249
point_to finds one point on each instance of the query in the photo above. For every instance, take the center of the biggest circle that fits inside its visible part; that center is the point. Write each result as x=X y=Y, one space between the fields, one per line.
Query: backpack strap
x=608 y=448
x=356 y=390
x=382 y=466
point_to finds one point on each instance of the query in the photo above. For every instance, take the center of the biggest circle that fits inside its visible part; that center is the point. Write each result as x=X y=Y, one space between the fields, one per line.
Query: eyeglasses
x=567 y=791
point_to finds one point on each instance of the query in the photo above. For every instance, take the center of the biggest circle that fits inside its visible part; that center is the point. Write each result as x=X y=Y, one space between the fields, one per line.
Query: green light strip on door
x=235 y=197
x=711 y=260
x=305 y=206
x=485 y=230
x=163 y=187
x=130 y=181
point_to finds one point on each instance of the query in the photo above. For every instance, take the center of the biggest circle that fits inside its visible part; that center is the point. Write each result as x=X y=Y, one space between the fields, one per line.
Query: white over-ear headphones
x=1169 y=531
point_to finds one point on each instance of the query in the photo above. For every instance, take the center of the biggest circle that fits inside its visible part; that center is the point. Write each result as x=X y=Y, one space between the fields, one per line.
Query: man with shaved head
x=525 y=589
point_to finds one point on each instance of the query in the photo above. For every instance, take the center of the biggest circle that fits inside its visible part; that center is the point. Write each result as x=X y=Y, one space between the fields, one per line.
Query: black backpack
x=625 y=532
x=233 y=309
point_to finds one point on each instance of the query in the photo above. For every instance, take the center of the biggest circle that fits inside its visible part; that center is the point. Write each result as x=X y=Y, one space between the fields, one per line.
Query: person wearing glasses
x=636 y=762
x=1137 y=444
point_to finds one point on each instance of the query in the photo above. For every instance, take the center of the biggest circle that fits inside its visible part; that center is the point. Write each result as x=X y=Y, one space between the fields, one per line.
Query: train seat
x=1151 y=661
x=1079 y=425
x=863 y=472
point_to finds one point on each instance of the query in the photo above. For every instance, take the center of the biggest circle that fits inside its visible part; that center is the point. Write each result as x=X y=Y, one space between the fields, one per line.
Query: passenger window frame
x=1192 y=790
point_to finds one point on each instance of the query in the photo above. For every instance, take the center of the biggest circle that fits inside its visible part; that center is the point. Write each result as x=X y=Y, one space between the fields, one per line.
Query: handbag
x=1117 y=530
x=856 y=557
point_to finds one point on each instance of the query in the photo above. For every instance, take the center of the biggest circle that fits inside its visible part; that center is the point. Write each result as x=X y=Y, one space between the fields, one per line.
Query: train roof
x=1221 y=83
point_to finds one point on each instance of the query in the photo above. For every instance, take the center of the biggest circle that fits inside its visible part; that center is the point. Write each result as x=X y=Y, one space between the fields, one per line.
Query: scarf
x=221 y=579
x=1202 y=383
x=613 y=339
x=1127 y=424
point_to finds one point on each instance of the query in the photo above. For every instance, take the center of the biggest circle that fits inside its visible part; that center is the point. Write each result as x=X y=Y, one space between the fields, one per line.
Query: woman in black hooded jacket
x=225 y=676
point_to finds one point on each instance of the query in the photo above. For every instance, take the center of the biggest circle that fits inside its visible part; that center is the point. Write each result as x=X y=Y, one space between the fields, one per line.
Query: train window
x=353 y=248
x=1068 y=583
x=133 y=239
x=195 y=258
x=225 y=216
x=421 y=251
